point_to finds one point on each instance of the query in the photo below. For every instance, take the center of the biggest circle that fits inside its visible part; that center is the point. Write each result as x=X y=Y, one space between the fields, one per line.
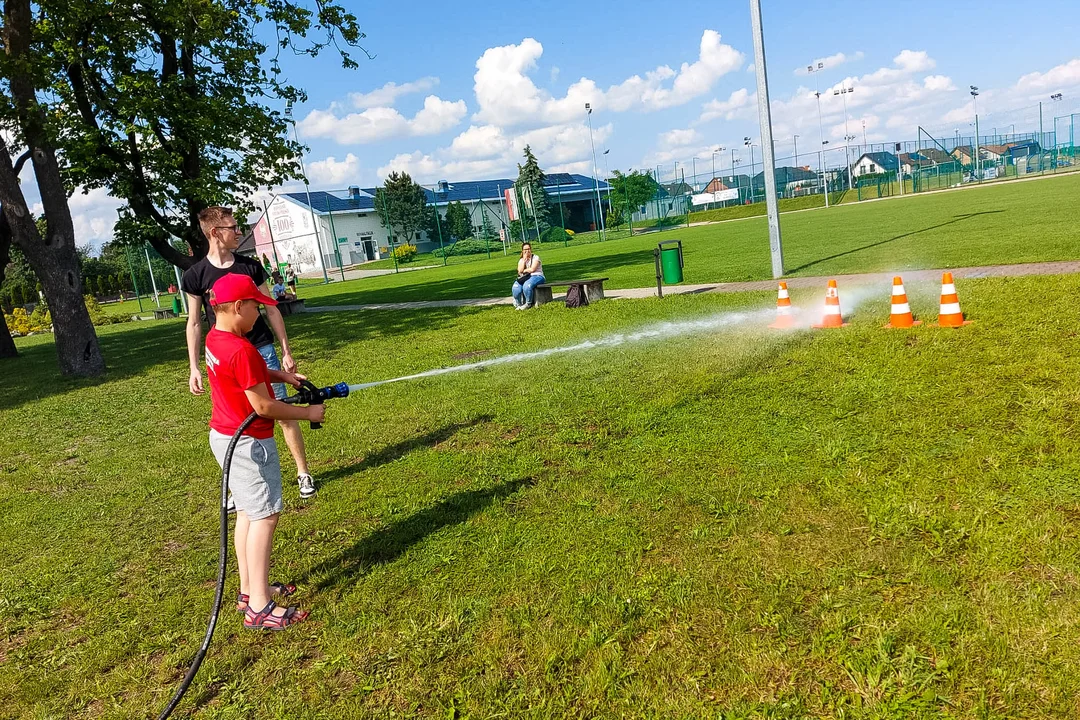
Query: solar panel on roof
x=559 y=179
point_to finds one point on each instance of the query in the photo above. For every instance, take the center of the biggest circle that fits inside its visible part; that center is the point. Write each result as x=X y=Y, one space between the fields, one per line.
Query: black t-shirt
x=200 y=277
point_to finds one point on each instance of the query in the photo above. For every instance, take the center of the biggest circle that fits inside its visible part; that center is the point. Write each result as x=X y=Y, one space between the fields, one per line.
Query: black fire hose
x=308 y=394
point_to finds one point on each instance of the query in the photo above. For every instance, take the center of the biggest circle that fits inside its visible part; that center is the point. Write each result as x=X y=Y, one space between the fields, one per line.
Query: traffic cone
x=832 y=317
x=949 y=315
x=784 y=318
x=901 y=316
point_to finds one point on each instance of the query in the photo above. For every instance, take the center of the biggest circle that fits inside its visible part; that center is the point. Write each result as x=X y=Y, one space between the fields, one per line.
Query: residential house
x=910 y=162
x=875 y=163
x=936 y=156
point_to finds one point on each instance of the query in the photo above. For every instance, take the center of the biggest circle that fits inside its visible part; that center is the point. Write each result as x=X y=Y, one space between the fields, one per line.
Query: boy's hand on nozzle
x=316 y=413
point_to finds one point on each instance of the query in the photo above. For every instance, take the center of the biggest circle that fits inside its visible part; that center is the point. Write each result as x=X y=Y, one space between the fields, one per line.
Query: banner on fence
x=706 y=198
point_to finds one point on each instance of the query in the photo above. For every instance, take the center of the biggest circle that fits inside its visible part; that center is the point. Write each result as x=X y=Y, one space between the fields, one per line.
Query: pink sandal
x=266 y=620
x=283 y=589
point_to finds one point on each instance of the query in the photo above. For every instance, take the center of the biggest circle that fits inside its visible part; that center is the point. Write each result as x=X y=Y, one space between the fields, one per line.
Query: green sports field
x=997 y=224
x=724 y=523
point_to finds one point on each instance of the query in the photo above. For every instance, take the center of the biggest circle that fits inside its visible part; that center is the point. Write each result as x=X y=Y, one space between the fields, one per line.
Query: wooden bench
x=594 y=289
x=291 y=306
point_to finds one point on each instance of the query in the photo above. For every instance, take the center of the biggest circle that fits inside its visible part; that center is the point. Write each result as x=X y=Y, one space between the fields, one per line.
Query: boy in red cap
x=240 y=385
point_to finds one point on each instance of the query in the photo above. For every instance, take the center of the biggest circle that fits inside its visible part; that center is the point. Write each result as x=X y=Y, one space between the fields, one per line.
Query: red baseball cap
x=233 y=287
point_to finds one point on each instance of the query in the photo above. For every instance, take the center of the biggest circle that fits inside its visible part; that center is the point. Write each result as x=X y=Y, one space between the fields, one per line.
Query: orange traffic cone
x=832 y=317
x=949 y=315
x=784 y=319
x=901 y=316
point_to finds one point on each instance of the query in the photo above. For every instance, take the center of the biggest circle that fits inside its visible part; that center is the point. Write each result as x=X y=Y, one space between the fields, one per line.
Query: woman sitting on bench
x=530 y=274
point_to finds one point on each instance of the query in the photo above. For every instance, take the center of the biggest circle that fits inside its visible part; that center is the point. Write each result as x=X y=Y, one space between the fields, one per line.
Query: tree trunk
x=53 y=257
x=7 y=345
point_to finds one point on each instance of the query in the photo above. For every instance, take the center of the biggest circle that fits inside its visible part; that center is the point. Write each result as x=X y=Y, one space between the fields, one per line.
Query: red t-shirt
x=233 y=366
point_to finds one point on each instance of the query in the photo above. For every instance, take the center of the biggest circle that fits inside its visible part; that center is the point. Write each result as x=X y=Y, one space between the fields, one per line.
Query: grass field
x=849 y=524
x=1017 y=222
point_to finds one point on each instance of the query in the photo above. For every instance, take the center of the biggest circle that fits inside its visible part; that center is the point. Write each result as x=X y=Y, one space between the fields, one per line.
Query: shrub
x=97 y=315
x=405 y=253
x=554 y=234
x=614 y=217
x=21 y=323
x=472 y=246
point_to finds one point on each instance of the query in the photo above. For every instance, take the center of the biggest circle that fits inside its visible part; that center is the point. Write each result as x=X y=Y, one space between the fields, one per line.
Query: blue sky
x=455 y=91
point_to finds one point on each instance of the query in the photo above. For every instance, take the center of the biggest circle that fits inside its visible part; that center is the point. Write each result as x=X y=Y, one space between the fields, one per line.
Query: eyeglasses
x=234 y=228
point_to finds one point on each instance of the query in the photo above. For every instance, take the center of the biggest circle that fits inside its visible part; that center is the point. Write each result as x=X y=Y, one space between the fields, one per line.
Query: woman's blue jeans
x=527 y=289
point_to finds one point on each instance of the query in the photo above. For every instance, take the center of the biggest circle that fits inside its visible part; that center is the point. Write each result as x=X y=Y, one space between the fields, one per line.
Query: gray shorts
x=254 y=475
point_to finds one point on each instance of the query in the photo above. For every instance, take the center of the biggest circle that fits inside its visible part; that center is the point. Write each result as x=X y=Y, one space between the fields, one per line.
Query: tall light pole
x=596 y=180
x=750 y=144
x=795 y=141
x=719 y=149
x=768 y=164
x=975 y=104
x=1056 y=97
x=864 y=135
x=843 y=92
x=811 y=70
x=307 y=192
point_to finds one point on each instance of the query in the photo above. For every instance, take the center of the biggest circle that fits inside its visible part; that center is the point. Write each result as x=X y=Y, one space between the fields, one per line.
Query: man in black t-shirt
x=223 y=233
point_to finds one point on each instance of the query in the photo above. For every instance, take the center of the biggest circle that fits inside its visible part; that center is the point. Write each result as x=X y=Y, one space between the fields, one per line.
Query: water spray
x=309 y=394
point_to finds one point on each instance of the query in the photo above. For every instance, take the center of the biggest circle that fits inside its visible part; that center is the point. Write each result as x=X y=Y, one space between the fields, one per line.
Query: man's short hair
x=213 y=217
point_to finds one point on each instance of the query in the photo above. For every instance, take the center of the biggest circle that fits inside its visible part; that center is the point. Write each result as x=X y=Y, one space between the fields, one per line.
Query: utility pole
x=765 y=121
x=795 y=141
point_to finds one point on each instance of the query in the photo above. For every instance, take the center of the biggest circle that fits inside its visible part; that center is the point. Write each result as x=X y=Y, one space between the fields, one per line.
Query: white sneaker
x=307 y=486
x=521 y=307
x=230 y=506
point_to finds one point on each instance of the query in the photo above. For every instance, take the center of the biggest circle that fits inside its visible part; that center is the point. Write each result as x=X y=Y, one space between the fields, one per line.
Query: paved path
x=1065 y=267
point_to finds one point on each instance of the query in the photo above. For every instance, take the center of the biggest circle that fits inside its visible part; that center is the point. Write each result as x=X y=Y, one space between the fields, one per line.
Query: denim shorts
x=254 y=474
x=269 y=354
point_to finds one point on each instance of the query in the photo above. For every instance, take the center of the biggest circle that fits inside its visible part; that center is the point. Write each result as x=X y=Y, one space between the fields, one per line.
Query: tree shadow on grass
x=956 y=219
x=398 y=450
x=133 y=349
x=387 y=543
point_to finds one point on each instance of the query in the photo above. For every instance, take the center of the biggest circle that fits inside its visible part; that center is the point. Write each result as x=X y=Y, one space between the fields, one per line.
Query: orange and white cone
x=901 y=316
x=784 y=318
x=832 y=317
x=949 y=315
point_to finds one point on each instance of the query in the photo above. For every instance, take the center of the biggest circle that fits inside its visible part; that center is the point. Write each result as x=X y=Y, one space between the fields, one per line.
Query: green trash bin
x=176 y=306
x=671 y=262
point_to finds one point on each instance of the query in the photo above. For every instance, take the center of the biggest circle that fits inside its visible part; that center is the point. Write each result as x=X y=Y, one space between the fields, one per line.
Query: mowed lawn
x=1006 y=223
x=734 y=523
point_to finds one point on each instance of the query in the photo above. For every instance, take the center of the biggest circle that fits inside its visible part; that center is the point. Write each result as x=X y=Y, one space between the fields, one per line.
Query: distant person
x=240 y=385
x=220 y=228
x=277 y=290
x=530 y=274
x=290 y=278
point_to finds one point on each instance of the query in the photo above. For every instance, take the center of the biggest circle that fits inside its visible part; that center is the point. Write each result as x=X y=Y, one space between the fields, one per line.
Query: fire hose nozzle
x=309 y=394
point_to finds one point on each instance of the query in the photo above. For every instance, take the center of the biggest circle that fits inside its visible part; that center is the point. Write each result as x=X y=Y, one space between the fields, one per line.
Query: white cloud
x=485 y=151
x=93 y=215
x=829 y=62
x=381 y=123
x=333 y=172
x=914 y=61
x=388 y=94
x=938 y=83
x=507 y=96
x=728 y=109
x=679 y=138
x=1056 y=78
x=483 y=141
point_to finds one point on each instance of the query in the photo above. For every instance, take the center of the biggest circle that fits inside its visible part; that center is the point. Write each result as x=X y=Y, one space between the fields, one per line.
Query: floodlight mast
x=765 y=121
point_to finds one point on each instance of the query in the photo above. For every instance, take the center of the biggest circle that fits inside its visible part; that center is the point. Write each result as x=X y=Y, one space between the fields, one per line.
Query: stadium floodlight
x=719 y=149
x=1056 y=96
x=975 y=107
x=596 y=178
x=821 y=130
